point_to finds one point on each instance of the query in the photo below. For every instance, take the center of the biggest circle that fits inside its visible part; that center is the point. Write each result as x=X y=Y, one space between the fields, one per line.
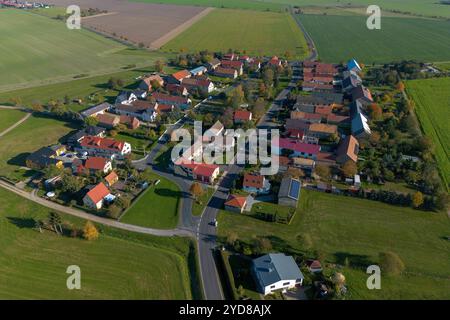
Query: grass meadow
x=432 y=100
x=256 y=33
x=9 y=118
x=157 y=207
x=339 y=38
x=357 y=230
x=37 y=50
x=118 y=265
x=34 y=133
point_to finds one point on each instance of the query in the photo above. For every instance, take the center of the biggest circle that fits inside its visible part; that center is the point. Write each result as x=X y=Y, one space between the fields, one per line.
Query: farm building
x=289 y=193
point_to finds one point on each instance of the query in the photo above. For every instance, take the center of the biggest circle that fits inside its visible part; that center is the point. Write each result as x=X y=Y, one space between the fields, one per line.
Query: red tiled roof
x=236 y=201
x=202 y=169
x=254 y=181
x=181 y=74
x=102 y=143
x=166 y=97
x=298 y=146
x=165 y=107
x=322 y=109
x=108 y=119
x=297 y=133
x=112 y=178
x=231 y=64
x=95 y=163
x=98 y=192
x=242 y=115
x=229 y=71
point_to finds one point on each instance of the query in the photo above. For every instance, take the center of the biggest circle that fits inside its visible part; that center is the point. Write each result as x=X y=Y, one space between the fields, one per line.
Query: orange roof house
x=236 y=203
x=180 y=75
x=242 y=116
x=94 y=198
x=347 y=150
x=111 y=178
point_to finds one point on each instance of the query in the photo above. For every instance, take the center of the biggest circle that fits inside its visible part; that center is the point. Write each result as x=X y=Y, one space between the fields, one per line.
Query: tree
x=375 y=111
x=268 y=77
x=262 y=245
x=232 y=238
x=323 y=171
x=70 y=183
x=237 y=97
x=305 y=241
x=51 y=171
x=259 y=107
x=114 y=212
x=36 y=106
x=54 y=219
x=417 y=199
x=16 y=101
x=294 y=173
x=90 y=121
x=349 y=168
x=400 y=86
x=90 y=232
x=196 y=190
x=159 y=66
x=391 y=263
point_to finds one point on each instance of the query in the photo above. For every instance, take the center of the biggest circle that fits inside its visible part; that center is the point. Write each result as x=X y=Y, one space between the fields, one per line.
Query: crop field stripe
x=339 y=38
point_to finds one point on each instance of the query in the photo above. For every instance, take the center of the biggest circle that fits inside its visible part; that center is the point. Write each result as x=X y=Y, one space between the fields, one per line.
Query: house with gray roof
x=289 y=192
x=276 y=271
x=96 y=110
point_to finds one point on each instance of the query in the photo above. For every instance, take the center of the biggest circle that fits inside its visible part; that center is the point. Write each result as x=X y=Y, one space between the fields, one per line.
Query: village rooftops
x=242 y=115
x=298 y=146
x=102 y=143
x=275 y=267
x=100 y=108
x=253 y=180
x=180 y=75
x=290 y=188
x=162 y=97
x=98 y=193
x=138 y=106
x=349 y=147
x=236 y=201
x=361 y=92
x=111 y=178
x=194 y=82
x=201 y=169
x=95 y=163
x=232 y=64
x=323 y=128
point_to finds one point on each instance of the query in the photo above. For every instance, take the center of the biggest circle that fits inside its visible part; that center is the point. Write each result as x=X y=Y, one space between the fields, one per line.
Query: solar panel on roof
x=294 y=190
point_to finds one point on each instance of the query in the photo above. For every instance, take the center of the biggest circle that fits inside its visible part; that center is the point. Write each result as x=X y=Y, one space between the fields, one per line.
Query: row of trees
x=55 y=223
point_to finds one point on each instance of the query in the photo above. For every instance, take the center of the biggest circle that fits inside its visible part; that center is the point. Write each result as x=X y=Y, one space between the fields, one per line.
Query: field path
x=99 y=15
x=155 y=45
x=18 y=123
x=87 y=216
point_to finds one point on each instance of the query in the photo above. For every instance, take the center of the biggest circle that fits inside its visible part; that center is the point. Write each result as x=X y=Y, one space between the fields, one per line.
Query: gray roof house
x=276 y=271
x=289 y=192
x=95 y=110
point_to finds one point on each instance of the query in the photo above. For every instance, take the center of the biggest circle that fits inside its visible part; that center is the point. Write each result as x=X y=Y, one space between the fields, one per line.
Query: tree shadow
x=216 y=203
x=22 y=223
x=354 y=260
x=19 y=160
x=163 y=192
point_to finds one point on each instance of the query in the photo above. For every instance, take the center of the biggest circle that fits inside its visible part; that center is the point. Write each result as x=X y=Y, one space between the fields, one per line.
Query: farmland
x=398 y=39
x=356 y=230
x=34 y=133
x=157 y=207
x=9 y=118
x=118 y=265
x=416 y=7
x=432 y=100
x=257 y=33
x=37 y=50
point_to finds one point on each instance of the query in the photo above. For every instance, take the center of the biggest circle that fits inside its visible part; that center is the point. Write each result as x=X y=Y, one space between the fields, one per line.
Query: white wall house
x=276 y=271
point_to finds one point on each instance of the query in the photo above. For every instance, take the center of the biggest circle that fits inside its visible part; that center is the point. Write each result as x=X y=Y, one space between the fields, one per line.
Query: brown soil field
x=150 y=24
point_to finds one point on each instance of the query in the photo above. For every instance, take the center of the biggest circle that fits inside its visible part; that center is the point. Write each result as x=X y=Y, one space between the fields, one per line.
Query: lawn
x=342 y=227
x=157 y=207
x=17 y=144
x=256 y=33
x=432 y=99
x=339 y=38
x=9 y=118
x=37 y=50
x=118 y=265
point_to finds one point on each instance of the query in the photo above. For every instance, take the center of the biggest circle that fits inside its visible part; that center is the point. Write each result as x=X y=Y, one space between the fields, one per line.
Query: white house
x=95 y=197
x=276 y=271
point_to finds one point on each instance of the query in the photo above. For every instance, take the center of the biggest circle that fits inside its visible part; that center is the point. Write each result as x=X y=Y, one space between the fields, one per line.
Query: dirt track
x=150 y=24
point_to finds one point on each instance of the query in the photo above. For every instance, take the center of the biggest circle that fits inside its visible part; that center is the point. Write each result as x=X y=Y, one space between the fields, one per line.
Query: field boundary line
x=18 y=123
x=157 y=44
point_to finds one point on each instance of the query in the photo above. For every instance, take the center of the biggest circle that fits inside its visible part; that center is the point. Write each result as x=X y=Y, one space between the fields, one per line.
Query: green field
x=157 y=207
x=37 y=50
x=230 y=4
x=417 y=7
x=9 y=118
x=119 y=265
x=342 y=227
x=256 y=33
x=432 y=99
x=339 y=38
x=17 y=144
